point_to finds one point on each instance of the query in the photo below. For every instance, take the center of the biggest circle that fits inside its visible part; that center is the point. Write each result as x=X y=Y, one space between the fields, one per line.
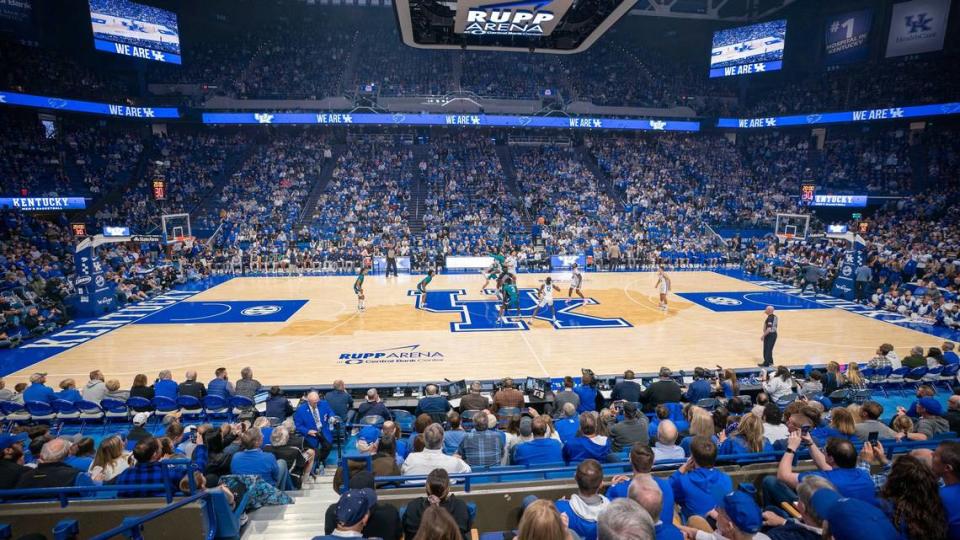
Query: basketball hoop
x=183 y=242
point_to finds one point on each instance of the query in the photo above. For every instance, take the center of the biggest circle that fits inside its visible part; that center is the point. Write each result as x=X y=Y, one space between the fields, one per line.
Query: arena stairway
x=301 y=520
x=602 y=177
x=510 y=173
x=113 y=196
x=418 y=192
x=326 y=173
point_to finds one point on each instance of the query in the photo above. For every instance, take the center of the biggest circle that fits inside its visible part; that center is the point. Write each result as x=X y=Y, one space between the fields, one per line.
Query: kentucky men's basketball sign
x=481 y=315
x=535 y=18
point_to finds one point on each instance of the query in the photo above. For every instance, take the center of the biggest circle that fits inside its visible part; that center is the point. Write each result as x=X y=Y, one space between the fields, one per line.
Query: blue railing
x=63 y=494
x=132 y=527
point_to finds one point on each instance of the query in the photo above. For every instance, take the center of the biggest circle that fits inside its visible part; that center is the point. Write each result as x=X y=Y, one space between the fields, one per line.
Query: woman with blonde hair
x=833 y=378
x=542 y=521
x=110 y=461
x=902 y=424
x=855 y=380
x=701 y=425
x=843 y=424
x=748 y=438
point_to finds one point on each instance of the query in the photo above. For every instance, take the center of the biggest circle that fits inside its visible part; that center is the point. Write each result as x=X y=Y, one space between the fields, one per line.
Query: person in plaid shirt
x=481 y=447
x=150 y=469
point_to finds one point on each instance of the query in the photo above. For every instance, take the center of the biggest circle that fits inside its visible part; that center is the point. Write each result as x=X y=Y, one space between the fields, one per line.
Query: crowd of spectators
x=469 y=209
x=363 y=210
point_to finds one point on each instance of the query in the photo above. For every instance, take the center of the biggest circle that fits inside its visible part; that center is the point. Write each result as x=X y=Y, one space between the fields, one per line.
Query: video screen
x=538 y=388
x=456 y=389
x=757 y=48
x=132 y=29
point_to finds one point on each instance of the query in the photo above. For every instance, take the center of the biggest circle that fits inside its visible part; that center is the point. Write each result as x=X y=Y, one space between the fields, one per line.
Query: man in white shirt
x=666 y=447
x=432 y=456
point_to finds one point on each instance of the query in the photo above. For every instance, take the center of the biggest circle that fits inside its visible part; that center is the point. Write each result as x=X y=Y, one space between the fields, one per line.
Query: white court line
x=229 y=309
x=532 y=351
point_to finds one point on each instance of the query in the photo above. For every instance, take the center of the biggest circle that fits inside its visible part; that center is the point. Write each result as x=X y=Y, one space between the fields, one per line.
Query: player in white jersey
x=576 y=280
x=546 y=299
x=510 y=265
x=663 y=285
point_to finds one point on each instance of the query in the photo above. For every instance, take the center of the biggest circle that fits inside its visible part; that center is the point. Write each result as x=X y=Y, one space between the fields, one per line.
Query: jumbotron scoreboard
x=550 y=26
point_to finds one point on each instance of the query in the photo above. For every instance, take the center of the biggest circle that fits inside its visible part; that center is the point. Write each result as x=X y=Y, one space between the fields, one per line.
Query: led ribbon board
x=467 y=120
x=90 y=107
x=845 y=117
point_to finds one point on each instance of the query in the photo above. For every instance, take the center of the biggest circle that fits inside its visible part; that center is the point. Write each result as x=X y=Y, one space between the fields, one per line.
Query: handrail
x=62 y=493
x=131 y=526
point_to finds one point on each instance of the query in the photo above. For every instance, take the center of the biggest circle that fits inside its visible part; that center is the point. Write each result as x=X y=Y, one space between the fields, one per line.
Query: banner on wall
x=917 y=26
x=847 y=37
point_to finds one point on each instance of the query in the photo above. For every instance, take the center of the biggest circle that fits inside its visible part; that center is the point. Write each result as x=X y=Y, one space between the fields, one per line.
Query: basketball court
x=302 y=330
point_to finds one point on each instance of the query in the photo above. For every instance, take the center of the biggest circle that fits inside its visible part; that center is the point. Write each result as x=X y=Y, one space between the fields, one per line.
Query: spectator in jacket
x=299 y=463
x=664 y=390
x=648 y=492
x=628 y=389
x=541 y=450
x=95 y=388
x=590 y=398
x=432 y=456
x=114 y=392
x=588 y=444
x=190 y=386
x=247 y=386
x=165 y=385
x=568 y=425
x=869 y=421
x=383 y=521
x=340 y=401
x=700 y=388
x=810 y=524
x=474 y=401
x=312 y=420
x=373 y=406
x=38 y=390
x=220 y=386
x=666 y=447
x=508 y=397
x=11 y=459
x=930 y=422
x=641 y=460
x=278 y=406
x=697 y=486
x=432 y=403
x=140 y=389
x=68 y=391
x=51 y=471
x=631 y=431
x=253 y=460
x=837 y=463
x=567 y=395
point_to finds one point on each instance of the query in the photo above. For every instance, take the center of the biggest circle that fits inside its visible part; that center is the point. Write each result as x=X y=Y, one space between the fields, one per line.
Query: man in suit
x=312 y=421
x=627 y=390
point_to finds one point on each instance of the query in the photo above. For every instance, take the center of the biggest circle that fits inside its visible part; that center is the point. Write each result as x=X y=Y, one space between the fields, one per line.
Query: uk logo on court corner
x=722 y=301
x=483 y=315
x=396 y=355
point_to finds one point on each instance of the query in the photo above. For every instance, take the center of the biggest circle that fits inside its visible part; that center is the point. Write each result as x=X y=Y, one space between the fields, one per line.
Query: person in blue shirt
x=837 y=463
x=81 y=454
x=700 y=388
x=454 y=436
x=340 y=400
x=220 y=386
x=253 y=460
x=946 y=465
x=38 y=390
x=647 y=491
x=569 y=424
x=641 y=459
x=949 y=356
x=587 y=444
x=587 y=391
x=165 y=385
x=697 y=486
x=68 y=391
x=541 y=450
x=748 y=438
x=584 y=507
x=433 y=403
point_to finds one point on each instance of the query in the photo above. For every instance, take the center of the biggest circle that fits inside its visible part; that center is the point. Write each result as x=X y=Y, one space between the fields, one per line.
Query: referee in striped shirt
x=769 y=337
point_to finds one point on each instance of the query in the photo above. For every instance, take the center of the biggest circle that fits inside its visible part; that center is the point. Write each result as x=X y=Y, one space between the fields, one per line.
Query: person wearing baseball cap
x=738 y=518
x=384 y=519
x=139 y=430
x=930 y=422
x=11 y=460
x=38 y=391
x=353 y=512
x=851 y=519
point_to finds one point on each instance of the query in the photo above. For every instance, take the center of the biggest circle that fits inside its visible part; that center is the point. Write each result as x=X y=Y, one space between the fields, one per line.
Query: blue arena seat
x=215 y=406
x=115 y=409
x=190 y=408
x=139 y=404
x=40 y=411
x=66 y=410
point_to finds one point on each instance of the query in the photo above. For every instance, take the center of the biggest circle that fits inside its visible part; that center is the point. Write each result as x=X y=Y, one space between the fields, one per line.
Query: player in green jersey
x=422 y=287
x=358 y=290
